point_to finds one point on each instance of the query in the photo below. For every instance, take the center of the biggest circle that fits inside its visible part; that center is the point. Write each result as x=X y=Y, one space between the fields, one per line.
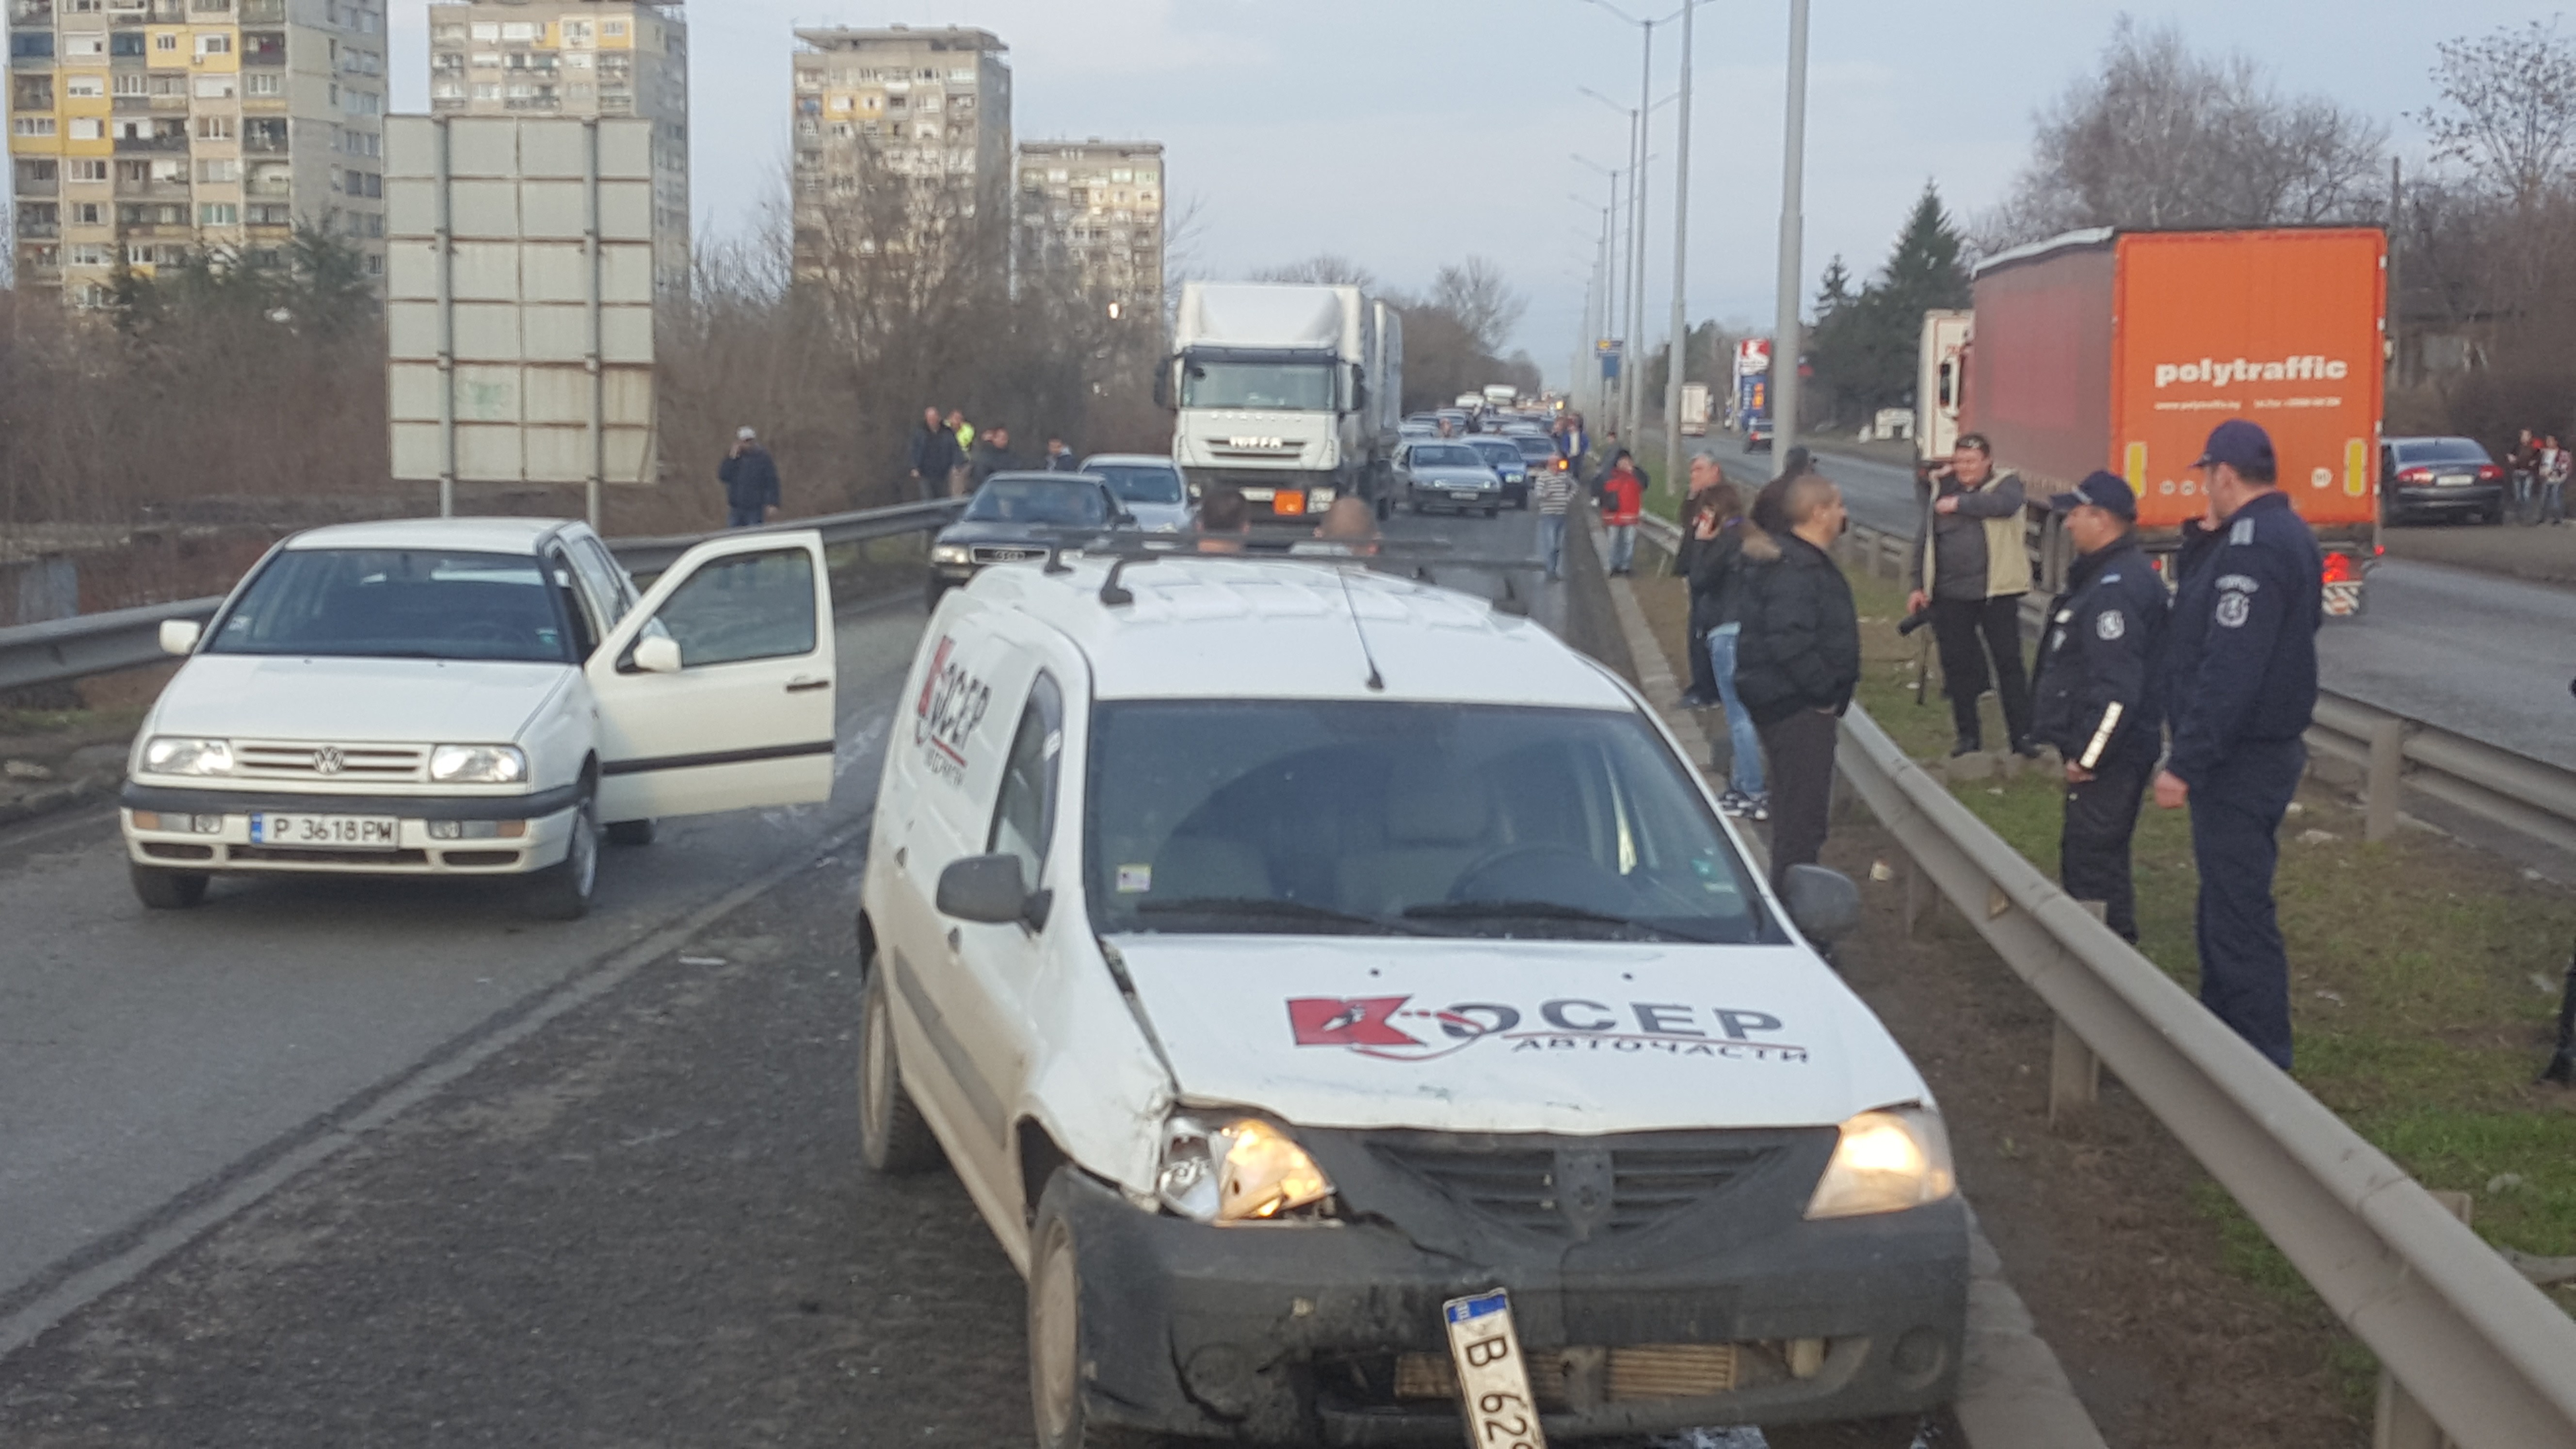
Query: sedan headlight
x=1242 y=1170
x=1887 y=1161
x=173 y=755
x=950 y=553
x=477 y=765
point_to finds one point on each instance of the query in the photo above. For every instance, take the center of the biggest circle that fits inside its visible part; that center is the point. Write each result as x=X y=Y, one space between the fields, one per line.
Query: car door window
x=606 y=581
x=1024 y=809
x=749 y=606
x=589 y=623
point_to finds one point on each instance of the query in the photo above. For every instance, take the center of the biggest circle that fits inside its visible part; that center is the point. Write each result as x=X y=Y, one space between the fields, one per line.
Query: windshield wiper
x=1263 y=908
x=1541 y=911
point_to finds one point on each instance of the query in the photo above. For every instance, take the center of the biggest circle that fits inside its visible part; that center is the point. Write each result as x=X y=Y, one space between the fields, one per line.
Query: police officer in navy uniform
x=2096 y=696
x=2240 y=683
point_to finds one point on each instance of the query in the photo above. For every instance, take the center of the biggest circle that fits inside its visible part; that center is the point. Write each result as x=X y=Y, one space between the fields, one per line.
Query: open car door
x=715 y=692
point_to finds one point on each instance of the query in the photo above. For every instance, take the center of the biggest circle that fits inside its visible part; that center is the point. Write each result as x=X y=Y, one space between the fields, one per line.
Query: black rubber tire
x=930 y=595
x=629 y=832
x=562 y=892
x=892 y=1137
x=1056 y=1334
x=167 y=890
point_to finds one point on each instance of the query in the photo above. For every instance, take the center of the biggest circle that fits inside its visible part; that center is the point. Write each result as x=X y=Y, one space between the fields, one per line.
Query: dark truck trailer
x=2121 y=350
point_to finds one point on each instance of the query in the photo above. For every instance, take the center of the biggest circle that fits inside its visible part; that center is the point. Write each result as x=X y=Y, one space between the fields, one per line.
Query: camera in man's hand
x=1920 y=617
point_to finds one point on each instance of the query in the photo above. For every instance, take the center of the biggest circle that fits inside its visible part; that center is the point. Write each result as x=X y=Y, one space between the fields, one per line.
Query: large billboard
x=519 y=299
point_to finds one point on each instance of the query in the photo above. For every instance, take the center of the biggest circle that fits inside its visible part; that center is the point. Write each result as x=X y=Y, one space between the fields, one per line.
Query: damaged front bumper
x=1658 y=1283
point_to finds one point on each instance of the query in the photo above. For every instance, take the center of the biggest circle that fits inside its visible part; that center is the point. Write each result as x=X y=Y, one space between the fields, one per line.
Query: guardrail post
x=2401 y=1422
x=2387 y=769
x=2074 y=1072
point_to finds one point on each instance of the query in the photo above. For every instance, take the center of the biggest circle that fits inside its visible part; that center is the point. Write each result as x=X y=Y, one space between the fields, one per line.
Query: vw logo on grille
x=328 y=760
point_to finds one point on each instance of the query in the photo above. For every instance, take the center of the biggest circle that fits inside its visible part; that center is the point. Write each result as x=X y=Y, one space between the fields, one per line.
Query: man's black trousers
x=2236 y=816
x=1703 y=683
x=1968 y=630
x=2093 y=848
x=1798 y=765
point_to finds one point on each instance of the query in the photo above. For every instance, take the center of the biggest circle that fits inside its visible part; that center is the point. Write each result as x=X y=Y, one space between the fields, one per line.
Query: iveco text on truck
x=2121 y=350
x=1289 y=394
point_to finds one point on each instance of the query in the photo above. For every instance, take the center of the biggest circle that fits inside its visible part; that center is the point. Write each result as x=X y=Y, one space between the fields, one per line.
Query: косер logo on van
x=952 y=703
x=1376 y=1026
x=2211 y=371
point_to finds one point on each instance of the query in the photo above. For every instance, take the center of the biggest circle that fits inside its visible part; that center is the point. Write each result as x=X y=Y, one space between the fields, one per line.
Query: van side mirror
x=986 y=889
x=180 y=636
x=1823 y=904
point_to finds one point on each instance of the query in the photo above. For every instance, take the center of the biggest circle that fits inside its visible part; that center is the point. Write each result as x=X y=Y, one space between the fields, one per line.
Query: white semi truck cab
x=1288 y=394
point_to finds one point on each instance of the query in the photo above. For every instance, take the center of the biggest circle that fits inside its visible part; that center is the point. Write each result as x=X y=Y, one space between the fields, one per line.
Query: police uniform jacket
x=2095 y=696
x=2241 y=648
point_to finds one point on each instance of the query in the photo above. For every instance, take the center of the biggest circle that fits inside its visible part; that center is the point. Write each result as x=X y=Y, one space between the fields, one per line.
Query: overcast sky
x=1408 y=133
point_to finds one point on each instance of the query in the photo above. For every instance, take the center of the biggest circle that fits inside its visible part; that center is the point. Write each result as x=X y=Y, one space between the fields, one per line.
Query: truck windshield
x=1357 y=817
x=1297 y=387
x=399 y=603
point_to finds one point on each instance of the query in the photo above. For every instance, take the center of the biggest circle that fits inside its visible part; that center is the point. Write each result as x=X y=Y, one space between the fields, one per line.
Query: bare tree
x=1323 y=269
x=2508 y=110
x=1475 y=293
x=2163 y=136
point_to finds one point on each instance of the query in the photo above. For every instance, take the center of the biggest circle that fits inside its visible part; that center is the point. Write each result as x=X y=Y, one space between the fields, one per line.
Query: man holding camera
x=1970 y=570
x=2094 y=694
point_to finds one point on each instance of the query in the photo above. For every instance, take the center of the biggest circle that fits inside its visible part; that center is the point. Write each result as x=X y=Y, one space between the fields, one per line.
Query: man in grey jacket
x=1970 y=570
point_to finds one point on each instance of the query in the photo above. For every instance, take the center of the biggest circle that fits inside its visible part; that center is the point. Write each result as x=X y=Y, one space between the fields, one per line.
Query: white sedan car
x=1297 y=963
x=478 y=697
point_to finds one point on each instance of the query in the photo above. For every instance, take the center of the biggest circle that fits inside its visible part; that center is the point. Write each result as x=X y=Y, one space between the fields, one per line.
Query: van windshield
x=1360 y=818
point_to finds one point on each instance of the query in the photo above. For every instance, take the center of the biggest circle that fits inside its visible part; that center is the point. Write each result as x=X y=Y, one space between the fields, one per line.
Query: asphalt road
x=2477 y=654
x=329 y=1164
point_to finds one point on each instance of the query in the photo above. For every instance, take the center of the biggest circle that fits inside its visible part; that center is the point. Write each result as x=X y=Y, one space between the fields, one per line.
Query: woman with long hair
x=1717 y=578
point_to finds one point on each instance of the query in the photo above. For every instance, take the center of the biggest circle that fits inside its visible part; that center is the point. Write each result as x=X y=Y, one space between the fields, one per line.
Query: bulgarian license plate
x=325 y=832
x=1493 y=1379
x=1465 y=497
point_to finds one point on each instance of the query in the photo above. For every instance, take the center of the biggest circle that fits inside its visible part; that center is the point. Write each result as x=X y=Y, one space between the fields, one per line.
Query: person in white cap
x=750 y=481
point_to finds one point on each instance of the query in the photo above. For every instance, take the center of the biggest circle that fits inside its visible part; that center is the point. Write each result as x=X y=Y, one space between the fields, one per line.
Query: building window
x=166 y=40
x=32 y=126
x=214 y=128
x=214 y=87
x=264 y=83
x=487 y=30
x=128 y=43
x=518 y=32
x=214 y=45
x=576 y=32
x=92 y=254
x=219 y=172
x=89 y=171
x=88 y=128
x=88 y=213
x=612 y=29
x=88 y=87
x=447 y=32
x=132 y=83
x=218 y=213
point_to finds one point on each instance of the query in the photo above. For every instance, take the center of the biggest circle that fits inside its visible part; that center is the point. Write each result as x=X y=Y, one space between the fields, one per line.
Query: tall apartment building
x=933 y=106
x=1099 y=205
x=578 y=58
x=150 y=128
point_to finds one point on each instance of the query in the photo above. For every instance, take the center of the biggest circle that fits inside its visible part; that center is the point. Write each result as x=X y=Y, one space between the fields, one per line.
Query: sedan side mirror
x=180 y=636
x=658 y=654
x=1823 y=904
x=986 y=889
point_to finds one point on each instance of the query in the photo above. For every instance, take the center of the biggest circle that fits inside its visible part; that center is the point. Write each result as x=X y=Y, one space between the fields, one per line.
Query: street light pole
x=1786 y=344
x=1630 y=376
x=1679 y=355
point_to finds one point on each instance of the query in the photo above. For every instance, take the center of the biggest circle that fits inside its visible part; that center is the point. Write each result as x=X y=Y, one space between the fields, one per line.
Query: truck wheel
x=630 y=832
x=892 y=1137
x=1900 y=1432
x=562 y=892
x=1059 y=1341
x=167 y=890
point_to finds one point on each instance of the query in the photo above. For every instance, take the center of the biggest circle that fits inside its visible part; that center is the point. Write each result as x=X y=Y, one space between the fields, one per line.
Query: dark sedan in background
x=2439 y=478
x=1016 y=517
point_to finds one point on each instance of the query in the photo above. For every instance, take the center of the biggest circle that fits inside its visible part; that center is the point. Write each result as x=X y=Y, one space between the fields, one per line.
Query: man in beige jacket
x=1971 y=569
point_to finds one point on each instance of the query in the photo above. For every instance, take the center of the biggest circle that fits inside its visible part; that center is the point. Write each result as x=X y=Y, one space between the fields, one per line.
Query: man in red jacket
x=1623 y=497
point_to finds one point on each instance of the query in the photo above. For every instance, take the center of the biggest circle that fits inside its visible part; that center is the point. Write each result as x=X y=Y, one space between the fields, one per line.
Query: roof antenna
x=1112 y=592
x=1376 y=681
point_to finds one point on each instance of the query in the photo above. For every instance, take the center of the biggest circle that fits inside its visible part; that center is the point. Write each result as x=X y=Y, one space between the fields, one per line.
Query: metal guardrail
x=2479 y=1350
x=2532 y=798
x=87 y=644
x=2489 y=1357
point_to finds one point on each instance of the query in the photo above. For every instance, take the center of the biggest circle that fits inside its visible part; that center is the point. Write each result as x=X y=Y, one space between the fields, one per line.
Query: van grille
x=322 y=760
x=1579 y=1189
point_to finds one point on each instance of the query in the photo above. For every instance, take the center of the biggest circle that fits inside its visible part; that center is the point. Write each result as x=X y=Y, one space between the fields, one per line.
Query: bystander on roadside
x=993 y=455
x=961 y=474
x=933 y=455
x=1704 y=475
x=750 y=479
x=1553 y=496
x=1796 y=666
x=1623 y=500
x=1971 y=569
x=1719 y=567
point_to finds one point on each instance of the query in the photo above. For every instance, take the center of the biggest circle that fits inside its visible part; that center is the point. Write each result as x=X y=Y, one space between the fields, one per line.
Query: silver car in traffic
x=1448 y=474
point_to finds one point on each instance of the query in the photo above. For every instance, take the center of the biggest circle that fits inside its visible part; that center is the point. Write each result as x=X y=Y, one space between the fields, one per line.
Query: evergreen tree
x=1866 y=347
x=1835 y=294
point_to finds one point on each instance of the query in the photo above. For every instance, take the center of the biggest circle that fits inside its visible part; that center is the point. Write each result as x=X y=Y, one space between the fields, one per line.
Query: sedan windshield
x=1031 y=500
x=399 y=603
x=1456 y=455
x=1497 y=451
x=1535 y=449
x=1302 y=387
x=1342 y=818
x=1142 y=483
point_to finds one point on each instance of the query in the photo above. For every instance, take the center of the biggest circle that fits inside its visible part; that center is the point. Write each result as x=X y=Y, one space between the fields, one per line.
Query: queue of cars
x=1293 y=959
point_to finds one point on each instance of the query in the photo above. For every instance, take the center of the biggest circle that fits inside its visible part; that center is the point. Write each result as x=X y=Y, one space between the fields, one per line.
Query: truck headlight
x=174 y=755
x=950 y=553
x=1887 y=1161
x=1242 y=1170
x=477 y=765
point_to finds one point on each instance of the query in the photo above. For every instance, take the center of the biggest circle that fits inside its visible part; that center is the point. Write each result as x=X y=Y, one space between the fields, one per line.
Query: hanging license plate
x=1493 y=1379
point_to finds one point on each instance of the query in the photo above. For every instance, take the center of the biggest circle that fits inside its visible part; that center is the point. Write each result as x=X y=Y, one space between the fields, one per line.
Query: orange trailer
x=2121 y=350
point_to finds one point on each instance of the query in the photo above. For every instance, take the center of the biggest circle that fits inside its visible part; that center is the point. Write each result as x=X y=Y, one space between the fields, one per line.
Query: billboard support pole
x=598 y=469
x=444 y=243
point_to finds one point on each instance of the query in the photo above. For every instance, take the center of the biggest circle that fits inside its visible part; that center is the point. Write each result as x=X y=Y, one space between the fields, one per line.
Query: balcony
x=39 y=230
x=31 y=12
x=263 y=12
x=147 y=145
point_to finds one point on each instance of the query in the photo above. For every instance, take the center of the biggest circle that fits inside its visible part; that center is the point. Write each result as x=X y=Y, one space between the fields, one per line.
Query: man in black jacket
x=934 y=453
x=1796 y=666
x=2096 y=697
x=993 y=455
x=750 y=480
